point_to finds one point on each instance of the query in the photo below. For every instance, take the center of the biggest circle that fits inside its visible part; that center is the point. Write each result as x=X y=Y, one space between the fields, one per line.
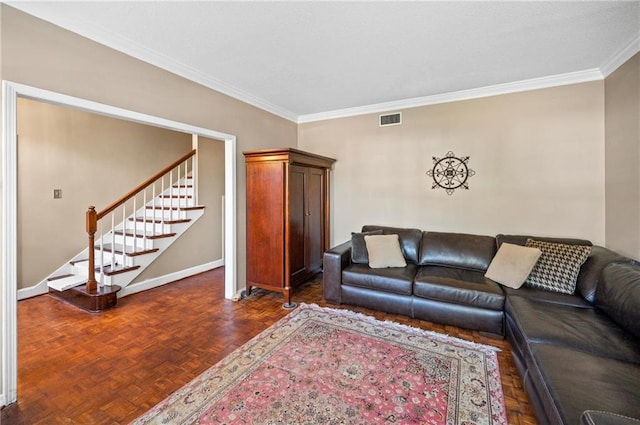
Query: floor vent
x=391 y=119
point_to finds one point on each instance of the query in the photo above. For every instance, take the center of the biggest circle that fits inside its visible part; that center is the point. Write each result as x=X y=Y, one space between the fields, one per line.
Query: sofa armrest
x=596 y=417
x=335 y=260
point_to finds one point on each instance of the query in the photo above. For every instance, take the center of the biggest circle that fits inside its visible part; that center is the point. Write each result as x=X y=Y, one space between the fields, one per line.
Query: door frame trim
x=8 y=304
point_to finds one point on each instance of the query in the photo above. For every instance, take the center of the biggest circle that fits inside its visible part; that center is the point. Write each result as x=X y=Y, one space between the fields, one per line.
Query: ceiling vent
x=391 y=119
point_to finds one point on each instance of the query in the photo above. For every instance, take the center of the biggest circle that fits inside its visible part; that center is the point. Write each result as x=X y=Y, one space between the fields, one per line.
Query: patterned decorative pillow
x=558 y=267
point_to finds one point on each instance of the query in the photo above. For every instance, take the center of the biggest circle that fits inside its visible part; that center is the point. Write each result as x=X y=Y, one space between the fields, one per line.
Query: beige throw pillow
x=384 y=251
x=512 y=264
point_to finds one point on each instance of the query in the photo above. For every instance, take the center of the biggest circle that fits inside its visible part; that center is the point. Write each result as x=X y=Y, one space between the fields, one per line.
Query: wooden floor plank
x=109 y=368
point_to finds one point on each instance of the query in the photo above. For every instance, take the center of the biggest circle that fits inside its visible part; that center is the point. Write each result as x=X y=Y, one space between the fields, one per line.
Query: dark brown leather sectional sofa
x=575 y=353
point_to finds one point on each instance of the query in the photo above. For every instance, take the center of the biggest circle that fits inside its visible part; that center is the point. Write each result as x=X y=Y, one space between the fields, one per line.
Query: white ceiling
x=318 y=59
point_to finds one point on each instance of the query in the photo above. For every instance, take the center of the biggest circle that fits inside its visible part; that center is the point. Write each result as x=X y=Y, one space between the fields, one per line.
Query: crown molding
x=135 y=50
x=621 y=57
x=132 y=48
x=514 y=87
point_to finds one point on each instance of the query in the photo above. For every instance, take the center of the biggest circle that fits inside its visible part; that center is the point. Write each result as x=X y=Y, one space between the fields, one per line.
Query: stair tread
x=68 y=282
x=119 y=249
x=162 y=207
x=62 y=276
x=158 y=221
x=149 y=235
x=118 y=269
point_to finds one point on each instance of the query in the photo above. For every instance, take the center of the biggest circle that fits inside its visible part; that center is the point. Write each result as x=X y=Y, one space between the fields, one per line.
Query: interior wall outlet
x=57 y=193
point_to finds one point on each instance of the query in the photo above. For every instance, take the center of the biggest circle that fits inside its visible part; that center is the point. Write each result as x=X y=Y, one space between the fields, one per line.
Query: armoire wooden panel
x=287 y=218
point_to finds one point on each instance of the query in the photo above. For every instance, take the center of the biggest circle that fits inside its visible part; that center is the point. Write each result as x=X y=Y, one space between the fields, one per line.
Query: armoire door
x=297 y=220
x=315 y=219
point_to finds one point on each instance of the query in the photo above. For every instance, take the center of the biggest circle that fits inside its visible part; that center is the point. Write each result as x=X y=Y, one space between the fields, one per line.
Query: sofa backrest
x=618 y=295
x=409 y=239
x=522 y=239
x=590 y=271
x=459 y=250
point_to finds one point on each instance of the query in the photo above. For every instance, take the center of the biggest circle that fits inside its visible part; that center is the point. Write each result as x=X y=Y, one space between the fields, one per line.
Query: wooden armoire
x=287 y=218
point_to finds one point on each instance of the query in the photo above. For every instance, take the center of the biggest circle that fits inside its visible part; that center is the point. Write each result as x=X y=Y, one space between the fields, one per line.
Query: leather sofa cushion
x=584 y=329
x=398 y=280
x=470 y=252
x=547 y=296
x=463 y=316
x=598 y=417
x=570 y=382
x=618 y=295
x=458 y=286
x=409 y=239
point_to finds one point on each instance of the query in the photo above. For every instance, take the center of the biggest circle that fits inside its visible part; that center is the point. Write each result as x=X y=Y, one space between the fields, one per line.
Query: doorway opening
x=11 y=93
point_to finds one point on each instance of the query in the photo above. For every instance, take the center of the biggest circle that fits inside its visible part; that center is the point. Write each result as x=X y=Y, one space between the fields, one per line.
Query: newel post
x=92 y=227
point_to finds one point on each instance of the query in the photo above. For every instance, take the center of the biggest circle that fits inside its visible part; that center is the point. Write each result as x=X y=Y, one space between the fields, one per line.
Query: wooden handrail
x=143 y=185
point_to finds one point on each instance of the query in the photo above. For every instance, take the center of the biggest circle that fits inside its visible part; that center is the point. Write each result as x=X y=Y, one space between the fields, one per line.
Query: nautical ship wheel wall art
x=450 y=173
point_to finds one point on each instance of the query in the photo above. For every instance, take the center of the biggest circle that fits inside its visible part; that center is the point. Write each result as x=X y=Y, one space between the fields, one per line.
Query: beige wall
x=39 y=54
x=622 y=123
x=538 y=158
x=94 y=160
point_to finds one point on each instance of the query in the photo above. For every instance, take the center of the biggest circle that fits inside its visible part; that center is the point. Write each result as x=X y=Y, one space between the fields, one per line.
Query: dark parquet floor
x=109 y=368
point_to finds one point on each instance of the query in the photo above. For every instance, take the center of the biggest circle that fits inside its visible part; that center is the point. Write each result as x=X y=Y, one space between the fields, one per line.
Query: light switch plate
x=57 y=193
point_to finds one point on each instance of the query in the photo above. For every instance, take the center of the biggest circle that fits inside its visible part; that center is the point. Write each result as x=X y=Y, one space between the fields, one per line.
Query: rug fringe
x=463 y=342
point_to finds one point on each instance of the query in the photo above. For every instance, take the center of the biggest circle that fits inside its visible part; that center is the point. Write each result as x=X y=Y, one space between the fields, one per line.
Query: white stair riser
x=181 y=189
x=148 y=226
x=139 y=243
x=82 y=268
x=175 y=202
x=117 y=258
x=165 y=214
x=116 y=279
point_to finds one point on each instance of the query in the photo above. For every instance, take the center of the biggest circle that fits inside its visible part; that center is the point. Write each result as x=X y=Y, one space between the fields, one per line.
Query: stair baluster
x=135 y=228
x=170 y=195
x=124 y=233
x=113 y=240
x=184 y=184
x=194 y=178
x=144 y=227
x=101 y=283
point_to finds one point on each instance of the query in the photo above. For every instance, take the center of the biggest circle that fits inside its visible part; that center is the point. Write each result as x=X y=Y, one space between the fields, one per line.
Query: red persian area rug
x=325 y=366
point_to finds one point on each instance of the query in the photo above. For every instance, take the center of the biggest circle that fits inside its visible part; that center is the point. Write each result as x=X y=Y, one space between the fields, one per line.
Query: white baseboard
x=168 y=278
x=33 y=291
x=42 y=288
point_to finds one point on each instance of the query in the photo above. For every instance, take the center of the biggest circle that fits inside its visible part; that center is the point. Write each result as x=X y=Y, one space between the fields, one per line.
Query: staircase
x=125 y=238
